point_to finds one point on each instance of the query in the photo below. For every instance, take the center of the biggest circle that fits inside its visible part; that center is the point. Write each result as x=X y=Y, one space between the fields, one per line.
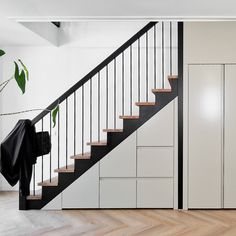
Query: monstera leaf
x=20 y=78
x=24 y=68
x=54 y=115
x=2 y=52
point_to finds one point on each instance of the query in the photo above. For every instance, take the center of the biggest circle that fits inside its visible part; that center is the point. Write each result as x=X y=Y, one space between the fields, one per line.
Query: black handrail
x=94 y=71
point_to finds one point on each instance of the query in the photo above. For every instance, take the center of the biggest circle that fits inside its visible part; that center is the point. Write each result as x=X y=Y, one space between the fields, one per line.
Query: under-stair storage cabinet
x=138 y=173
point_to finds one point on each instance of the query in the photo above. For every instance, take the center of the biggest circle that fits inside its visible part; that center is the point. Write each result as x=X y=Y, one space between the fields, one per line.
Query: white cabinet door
x=230 y=138
x=159 y=130
x=84 y=192
x=55 y=204
x=120 y=162
x=118 y=193
x=155 y=162
x=205 y=136
x=155 y=193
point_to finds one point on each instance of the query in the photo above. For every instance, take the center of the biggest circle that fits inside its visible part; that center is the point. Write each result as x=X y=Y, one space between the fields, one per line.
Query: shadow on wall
x=97 y=34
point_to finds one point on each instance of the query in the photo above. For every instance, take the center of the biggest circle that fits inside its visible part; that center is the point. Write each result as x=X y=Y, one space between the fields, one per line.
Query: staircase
x=110 y=103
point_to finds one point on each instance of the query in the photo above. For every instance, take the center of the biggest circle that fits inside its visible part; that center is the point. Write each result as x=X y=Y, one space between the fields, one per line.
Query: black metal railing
x=109 y=90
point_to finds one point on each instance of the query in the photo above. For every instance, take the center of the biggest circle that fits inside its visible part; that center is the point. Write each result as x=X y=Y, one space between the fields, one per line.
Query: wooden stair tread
x=53 y=182
x=173 y=77
x=145 y=103
x=34 y=197
x=86 y=155
x=161 y=90
x=66 y=169
x=129 y=117
x=100 y=143
x=113 y=130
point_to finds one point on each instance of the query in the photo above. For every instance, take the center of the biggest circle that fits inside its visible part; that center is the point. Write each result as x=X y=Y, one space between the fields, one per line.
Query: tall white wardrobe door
x=205 y=136
x=230 y=138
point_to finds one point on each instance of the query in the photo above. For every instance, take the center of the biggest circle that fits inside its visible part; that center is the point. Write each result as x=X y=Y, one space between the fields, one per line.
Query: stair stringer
x=98 y=152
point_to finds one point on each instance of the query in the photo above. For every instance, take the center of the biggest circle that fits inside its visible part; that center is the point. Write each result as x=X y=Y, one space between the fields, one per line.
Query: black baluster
x=146 y=66
x=107 y=101
x=131 y=82
x=91 y=109
x=163 y=55
x=170 y=48
x=66 y=131
x=155 y=59
x=98 y=106
x=42 y=148
x=123 y=84
x=115 y=93
x=50 y=158
x=82 y=128
x=74 y=123
x=139 y=70
x=58 y=134
x=34 y=180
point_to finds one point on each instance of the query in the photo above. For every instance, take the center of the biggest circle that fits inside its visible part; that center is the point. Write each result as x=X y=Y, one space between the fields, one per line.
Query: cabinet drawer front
x=155 y=162
x=84 y=192
x=120 y=162
x=155 y=193
x=118 y=193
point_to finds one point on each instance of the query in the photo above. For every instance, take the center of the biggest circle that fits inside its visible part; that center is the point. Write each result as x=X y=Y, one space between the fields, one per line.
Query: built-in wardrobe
x=212 y=136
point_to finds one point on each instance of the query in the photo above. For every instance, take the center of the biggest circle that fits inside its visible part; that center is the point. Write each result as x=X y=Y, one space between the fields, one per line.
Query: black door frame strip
x=180 y=114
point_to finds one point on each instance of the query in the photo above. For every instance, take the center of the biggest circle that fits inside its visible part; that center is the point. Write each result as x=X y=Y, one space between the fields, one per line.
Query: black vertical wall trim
x=180 y=114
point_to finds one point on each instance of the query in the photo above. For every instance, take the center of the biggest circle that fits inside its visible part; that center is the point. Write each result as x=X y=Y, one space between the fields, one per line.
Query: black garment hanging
x=19 y=152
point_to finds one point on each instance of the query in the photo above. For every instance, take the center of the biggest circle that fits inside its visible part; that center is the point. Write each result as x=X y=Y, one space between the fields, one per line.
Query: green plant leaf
x=54 y=115
x=20 y=78
x=25 y=69
x=2 y=52
x=16 y=71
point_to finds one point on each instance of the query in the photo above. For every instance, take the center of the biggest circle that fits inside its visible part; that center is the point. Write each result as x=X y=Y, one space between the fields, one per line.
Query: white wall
x=204 y=43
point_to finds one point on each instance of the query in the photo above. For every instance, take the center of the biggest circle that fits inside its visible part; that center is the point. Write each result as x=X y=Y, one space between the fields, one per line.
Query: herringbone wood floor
x=113 y=222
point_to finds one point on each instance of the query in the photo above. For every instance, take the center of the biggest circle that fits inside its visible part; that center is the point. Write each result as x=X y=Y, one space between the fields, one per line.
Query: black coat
x=17 y=155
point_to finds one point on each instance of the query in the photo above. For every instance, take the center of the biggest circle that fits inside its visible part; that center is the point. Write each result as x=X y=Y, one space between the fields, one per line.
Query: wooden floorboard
x=112 y=222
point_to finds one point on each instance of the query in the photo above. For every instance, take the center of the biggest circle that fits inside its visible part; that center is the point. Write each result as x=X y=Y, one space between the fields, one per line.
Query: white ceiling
x=12 y=33
x=121 y=8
